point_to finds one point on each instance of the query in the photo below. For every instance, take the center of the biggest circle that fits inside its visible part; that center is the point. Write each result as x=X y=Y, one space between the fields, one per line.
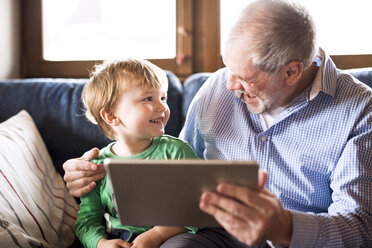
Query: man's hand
x=250 y=216
x=81 y=174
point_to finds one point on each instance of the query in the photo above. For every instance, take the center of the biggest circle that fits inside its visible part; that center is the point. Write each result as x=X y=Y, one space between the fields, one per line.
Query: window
x=60 y=38
x=343 y=33
x=107 y=29
x=193 y=34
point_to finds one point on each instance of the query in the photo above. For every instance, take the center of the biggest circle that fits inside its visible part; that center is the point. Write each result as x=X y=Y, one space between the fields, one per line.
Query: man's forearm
x=325 y=230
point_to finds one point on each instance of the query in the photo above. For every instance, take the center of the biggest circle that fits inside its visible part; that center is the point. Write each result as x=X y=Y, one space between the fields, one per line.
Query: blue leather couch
x=56 y=107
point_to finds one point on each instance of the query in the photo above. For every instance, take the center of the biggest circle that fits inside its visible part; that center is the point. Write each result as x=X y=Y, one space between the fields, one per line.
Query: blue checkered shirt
x=318 y=152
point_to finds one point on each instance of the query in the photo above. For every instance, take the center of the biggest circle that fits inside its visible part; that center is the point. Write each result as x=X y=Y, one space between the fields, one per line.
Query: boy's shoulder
x=168 y=142
x=173 y=148
x=171 y=139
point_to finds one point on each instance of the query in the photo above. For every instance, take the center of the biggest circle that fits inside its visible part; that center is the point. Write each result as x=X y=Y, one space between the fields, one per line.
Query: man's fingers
x=82 y=178
x=232 y=223
x=88 y=176
x=249 y=197
x=82 y=163
x=82 y=191
x=84 y=172
x=81 y=174
x=78 y=165
x=238 y=217
x=91 y=154
x=262 y=178
x=98 y=176
x=215 y=204
x=243 y=194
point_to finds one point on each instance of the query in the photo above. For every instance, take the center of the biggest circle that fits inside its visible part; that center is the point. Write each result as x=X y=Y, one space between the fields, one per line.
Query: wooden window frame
x=198 y=44
x=34 y=65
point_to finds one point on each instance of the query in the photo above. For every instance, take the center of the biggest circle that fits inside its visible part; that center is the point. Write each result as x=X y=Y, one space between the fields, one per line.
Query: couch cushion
x=36 y=209
x=56 y=108
x=363 y=74
x=191 y=85
x=175 y=93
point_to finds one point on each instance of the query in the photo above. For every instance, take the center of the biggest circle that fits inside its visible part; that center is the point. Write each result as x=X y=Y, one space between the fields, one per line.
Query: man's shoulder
x=341 y=83
x=215 y=80
x=353 y=92
x=214 y=90
x=347 y=80
x=221 y=75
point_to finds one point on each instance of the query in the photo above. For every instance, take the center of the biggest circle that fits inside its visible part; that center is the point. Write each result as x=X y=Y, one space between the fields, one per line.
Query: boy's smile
x=158 y=120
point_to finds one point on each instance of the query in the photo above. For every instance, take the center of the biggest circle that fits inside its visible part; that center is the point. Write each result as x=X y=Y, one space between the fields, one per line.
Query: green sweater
x=91 y=224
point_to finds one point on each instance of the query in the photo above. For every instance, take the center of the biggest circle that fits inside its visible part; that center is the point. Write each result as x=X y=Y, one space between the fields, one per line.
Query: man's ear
x=293 y=72
x=110 y=118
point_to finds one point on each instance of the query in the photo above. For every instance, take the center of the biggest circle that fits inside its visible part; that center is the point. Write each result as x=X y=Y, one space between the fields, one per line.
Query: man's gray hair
x=280 y=31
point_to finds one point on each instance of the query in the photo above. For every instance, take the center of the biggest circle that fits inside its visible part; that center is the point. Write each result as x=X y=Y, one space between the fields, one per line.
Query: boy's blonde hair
x=110 y=79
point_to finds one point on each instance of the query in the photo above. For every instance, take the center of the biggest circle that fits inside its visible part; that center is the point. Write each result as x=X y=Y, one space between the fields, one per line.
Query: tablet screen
x=167 y=192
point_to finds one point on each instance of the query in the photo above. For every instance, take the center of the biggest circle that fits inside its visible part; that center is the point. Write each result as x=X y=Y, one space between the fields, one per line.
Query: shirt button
x=4 y=223
x=263 y=138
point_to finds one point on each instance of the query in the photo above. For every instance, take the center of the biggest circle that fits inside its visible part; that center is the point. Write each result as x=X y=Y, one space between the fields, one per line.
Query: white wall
x=9 y=39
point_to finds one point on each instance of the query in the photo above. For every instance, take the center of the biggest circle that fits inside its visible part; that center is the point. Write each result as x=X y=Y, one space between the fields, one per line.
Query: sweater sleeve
x=90 y=224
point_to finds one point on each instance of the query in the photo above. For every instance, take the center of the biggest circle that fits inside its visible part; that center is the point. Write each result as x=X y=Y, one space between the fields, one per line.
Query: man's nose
x=233 y=83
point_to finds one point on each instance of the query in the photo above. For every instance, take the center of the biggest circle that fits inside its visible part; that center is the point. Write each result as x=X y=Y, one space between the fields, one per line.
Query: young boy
x=127 y=99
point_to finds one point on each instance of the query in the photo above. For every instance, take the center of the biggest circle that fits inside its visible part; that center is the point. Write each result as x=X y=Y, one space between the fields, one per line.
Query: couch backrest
x=57 y=110
x=191 y=85
x=363 y=74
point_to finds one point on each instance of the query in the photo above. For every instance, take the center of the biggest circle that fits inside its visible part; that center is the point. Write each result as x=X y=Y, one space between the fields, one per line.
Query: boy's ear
x=293 y=72
x=110 y=118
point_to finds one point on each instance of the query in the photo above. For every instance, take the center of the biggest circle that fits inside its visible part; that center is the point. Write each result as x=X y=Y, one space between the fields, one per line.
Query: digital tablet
x=167 y=192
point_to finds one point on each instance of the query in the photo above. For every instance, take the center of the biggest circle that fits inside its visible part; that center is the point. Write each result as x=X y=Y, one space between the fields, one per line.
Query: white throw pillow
x=36 y=209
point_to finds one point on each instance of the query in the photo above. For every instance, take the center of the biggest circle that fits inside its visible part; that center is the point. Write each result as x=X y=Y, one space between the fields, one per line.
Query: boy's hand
x=81 y=174
x=113 y=243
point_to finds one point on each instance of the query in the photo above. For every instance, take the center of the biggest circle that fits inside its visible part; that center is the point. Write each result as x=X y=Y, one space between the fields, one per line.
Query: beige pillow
x=35 y=206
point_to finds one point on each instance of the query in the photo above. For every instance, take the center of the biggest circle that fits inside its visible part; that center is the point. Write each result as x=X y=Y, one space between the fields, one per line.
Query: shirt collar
x=326 y=77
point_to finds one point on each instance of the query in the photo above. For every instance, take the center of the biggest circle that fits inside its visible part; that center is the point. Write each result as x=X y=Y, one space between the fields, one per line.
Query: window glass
x=104 y=29
x=343 y=25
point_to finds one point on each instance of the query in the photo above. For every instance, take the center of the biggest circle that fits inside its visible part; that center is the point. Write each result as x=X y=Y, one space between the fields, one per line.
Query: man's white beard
x=260 y=107
x=265 y=99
